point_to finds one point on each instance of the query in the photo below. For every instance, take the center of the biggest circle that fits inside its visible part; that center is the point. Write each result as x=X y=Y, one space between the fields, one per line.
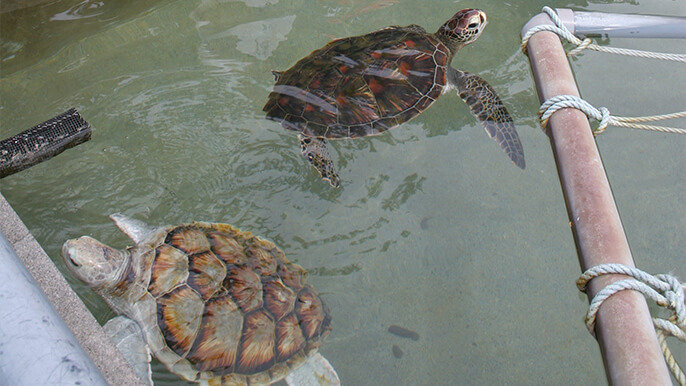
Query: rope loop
x=664 y=289
x=562 y=31
x=603 y=116
x=558 y=102
x=581 y=46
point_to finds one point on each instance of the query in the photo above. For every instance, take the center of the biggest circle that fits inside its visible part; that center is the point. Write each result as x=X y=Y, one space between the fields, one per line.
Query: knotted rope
x=603 y=116
x=562 y=31
x=665 y=290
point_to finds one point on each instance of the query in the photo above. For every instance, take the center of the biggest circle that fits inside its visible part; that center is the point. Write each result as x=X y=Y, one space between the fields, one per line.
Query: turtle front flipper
x=127 y=336
x=485 y=104
x=135 y=229
x=317 y=153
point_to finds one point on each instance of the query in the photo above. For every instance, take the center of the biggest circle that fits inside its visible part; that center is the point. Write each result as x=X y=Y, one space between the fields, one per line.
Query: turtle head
x=463 y=28
x=96 y=264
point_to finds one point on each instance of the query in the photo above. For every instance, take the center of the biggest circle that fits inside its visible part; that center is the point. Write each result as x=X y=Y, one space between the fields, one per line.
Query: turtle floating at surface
x=214 y=304
x=364 y=85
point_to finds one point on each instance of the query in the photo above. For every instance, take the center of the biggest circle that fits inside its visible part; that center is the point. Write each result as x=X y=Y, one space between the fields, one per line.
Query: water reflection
x=29 y=34
x=83 y=10
x=260 y=38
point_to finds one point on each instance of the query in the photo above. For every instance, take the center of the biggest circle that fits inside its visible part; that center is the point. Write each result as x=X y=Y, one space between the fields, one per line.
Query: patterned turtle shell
x=230 y=307
x=364 y=85
x=361 y=85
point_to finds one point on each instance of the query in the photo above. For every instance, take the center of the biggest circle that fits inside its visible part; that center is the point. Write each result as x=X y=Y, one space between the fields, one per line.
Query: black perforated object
x=43 y=142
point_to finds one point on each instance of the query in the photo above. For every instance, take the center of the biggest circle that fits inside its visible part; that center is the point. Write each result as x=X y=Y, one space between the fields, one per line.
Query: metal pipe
x=624 y=328
x=36 y=346
x=615 y=25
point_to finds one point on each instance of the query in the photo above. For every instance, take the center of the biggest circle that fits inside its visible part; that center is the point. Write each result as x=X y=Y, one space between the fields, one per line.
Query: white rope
x=562 y=31
x=603 y=116
x=665 y=290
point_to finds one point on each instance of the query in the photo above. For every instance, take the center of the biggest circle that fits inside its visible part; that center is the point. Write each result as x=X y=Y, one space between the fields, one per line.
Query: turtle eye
x=473 y=25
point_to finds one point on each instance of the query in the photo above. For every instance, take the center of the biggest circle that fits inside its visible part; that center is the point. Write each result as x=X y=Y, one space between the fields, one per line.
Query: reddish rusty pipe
x=624 y=329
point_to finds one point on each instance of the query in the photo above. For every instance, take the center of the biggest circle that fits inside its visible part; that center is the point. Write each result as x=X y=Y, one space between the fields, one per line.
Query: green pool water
x=433 y=228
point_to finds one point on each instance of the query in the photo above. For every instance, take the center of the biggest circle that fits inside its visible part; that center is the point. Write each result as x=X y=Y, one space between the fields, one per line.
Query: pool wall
x=32 y=326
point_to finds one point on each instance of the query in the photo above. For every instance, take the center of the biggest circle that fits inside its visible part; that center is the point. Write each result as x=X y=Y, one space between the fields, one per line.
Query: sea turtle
x=214 y=304
x=364 y=85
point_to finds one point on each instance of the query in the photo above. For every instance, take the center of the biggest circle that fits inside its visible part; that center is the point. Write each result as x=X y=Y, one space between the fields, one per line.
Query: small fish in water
x=397 y=352
x=404 y=332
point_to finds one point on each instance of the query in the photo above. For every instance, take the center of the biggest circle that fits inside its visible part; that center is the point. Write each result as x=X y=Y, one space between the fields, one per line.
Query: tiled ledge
x=83 y=325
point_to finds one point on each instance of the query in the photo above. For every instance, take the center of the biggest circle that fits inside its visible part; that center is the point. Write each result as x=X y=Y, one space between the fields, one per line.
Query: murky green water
x=433 y=229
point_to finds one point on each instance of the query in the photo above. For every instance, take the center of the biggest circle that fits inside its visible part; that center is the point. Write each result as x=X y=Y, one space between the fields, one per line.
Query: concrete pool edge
x=64 y=300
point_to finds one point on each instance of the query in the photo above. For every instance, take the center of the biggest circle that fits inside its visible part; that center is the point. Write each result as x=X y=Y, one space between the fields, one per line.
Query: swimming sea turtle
x=364 y=85
x=215 y=304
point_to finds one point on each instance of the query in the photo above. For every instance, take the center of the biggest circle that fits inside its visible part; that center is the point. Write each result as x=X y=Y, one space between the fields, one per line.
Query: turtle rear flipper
x=127 y=336
x=487 y=107
x=317 y=153
x=317 y=371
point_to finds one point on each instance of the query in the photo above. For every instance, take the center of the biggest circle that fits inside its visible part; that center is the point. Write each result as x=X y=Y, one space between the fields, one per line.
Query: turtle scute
x=232 y=305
